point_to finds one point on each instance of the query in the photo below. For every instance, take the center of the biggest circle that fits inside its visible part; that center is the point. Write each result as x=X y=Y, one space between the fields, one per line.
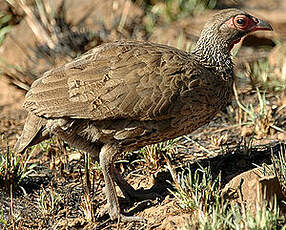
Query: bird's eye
x=240 y=21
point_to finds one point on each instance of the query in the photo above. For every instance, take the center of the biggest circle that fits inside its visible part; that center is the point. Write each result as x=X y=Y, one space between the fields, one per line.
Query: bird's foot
x=120 y=217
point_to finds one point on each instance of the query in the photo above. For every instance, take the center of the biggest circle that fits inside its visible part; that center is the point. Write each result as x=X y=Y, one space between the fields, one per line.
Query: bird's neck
x=214 y=54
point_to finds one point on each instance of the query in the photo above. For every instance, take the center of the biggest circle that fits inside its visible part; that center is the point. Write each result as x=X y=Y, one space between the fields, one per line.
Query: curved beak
x=261 y=25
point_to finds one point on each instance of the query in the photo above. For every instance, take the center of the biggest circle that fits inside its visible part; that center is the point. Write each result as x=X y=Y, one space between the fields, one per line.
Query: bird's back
x=126 y=82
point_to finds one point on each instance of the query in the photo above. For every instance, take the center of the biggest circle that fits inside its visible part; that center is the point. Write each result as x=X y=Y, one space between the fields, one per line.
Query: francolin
x=123 y=95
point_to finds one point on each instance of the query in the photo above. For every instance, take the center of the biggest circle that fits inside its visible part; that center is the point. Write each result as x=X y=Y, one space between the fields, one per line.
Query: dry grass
x=67 y=188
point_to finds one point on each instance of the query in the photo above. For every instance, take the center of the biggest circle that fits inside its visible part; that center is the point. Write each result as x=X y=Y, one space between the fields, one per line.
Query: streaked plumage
x=124 y=95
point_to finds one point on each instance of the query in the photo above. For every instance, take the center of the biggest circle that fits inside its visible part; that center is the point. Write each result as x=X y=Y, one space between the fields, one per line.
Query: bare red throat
x=233 y=43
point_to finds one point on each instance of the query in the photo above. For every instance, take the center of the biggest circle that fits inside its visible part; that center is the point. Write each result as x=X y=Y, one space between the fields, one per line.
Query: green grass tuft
x=196 y=190
x=14 y=168
x=200 y=195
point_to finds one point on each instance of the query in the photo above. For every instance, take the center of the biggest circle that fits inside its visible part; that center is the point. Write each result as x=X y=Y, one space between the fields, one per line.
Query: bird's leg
x=129 y=192
x=106 y=158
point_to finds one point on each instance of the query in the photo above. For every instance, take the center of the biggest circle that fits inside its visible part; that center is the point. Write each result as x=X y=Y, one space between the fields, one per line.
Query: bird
x=124 y=95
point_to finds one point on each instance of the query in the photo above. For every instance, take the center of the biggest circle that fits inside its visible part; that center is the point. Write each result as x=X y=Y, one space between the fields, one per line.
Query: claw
x=122 y=218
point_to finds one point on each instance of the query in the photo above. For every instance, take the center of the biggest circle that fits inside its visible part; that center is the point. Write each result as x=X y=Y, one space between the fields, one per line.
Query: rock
x=251 y=188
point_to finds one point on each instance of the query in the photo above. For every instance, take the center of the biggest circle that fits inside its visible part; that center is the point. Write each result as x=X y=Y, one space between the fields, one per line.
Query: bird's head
x=230 y=25
x=220 y=33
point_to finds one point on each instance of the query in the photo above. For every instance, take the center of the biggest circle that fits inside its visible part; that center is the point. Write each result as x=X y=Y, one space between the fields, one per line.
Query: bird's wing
x=135 y=80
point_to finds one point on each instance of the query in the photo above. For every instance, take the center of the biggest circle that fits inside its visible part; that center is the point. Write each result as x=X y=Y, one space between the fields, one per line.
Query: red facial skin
x=245 y=23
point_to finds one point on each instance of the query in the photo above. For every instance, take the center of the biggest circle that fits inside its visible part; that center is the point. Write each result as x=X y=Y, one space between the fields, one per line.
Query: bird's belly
x=172 y=129
x=131 y=135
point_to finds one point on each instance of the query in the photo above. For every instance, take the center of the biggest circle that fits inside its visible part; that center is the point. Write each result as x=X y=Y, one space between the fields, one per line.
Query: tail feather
x=32 y=133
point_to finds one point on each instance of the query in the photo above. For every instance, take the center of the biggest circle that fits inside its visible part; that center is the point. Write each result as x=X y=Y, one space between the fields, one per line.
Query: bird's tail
x=32 y=133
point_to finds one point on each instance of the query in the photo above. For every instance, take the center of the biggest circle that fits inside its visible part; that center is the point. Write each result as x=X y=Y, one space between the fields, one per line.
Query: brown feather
x=124 y=95
x=128 y=81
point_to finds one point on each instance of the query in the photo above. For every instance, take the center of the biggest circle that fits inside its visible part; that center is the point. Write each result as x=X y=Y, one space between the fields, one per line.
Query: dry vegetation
x=203 y=179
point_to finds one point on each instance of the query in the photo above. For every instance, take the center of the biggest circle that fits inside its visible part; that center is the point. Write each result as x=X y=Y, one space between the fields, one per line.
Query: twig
x=40 y=33
x=197 y=143
x=11 y=205
x=124 y=15
x=277 y=128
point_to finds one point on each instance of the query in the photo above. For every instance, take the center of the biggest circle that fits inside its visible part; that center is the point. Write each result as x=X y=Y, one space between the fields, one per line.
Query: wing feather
x=133 y=80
